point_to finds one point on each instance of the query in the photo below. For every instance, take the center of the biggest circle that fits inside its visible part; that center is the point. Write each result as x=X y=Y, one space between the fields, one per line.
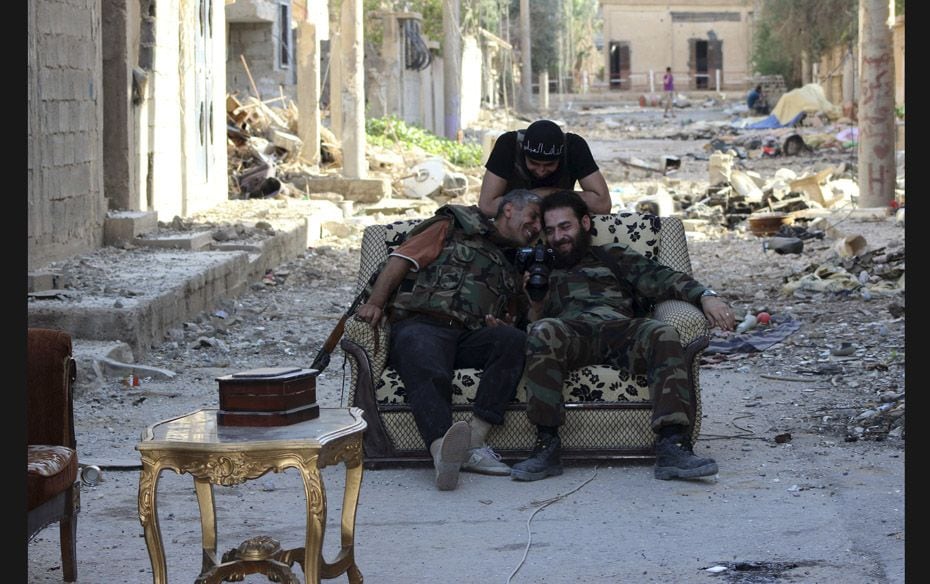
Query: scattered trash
x=763 y=318
x=425 y=179
x=716 y=569
x=749 y=322
x=783 y=245
x=91 y=475
x=843 y=350
x=850 y=246
x=763 y=224
x=132 y=380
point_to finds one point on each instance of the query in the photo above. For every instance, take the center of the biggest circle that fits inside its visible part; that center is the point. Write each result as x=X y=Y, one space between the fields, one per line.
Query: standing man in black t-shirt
x=543 y=159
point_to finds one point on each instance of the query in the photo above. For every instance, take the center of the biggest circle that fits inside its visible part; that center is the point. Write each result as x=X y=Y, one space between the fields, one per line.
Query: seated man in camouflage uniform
x=447 y=290
x=588 y=317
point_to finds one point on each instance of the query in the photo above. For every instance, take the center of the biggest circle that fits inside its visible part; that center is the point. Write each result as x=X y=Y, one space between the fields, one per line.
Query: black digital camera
x=537 y=261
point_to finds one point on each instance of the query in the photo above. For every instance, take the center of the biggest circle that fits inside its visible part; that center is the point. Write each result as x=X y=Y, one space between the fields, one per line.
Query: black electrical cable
x=417 y=54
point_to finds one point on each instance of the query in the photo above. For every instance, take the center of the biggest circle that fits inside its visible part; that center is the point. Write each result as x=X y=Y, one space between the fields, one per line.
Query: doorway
x=700 y=65
x=619 y=65
x=706 y=60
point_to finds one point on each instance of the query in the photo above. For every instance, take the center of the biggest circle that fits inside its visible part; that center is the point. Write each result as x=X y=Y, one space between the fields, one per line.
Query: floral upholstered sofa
x=608 y=410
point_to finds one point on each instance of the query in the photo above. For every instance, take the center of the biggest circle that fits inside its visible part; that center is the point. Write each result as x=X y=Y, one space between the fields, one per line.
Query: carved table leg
x=316 y=520
x=148 y=516
x=345 y=561
x=207 y=504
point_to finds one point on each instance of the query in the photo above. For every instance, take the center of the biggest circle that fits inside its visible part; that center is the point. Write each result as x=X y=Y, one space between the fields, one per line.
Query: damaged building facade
x=125 y=113
x=126 y=107
x=707 y=44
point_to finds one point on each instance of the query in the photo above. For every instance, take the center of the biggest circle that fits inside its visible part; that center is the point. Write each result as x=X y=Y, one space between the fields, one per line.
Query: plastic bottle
x=749 y=322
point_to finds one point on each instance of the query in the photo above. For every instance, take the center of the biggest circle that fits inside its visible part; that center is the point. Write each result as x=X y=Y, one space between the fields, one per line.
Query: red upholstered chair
x=52 y=486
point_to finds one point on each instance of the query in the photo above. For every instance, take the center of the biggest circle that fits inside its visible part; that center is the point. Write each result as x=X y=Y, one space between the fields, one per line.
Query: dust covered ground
x=839 y=376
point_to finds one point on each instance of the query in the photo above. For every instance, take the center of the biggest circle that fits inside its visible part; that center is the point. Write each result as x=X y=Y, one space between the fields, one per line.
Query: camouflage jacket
x=589 y=290
x=471 y=277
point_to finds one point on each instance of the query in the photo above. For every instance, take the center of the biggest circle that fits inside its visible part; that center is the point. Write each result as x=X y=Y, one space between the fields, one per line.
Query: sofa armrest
x=673 y=245
x=687 y=319
x=372 y=342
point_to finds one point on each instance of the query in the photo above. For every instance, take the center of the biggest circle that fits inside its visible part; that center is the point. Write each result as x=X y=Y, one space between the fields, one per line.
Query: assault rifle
x=322 y=357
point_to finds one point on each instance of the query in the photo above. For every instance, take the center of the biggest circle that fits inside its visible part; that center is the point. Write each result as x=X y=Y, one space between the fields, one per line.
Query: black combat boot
x=544 y=461
x=676 y=460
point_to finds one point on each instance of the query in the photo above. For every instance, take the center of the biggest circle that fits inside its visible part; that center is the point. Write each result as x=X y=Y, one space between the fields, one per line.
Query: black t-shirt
x=579 y=162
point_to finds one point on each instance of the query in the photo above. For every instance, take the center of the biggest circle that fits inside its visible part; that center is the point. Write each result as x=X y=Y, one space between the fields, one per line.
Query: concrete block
x=369 y=190
x=191 y=241
x=122 y=226
x=317 y=215
x=41 y=280
x=286 y=140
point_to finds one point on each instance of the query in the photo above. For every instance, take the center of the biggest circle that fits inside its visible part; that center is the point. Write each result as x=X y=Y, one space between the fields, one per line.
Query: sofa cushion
x=594 y=383
x=639 y=231
x=49 y=471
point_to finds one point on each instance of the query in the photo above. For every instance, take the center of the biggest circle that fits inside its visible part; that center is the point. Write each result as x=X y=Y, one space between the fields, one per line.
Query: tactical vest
x=522 y=179
x=471 y=277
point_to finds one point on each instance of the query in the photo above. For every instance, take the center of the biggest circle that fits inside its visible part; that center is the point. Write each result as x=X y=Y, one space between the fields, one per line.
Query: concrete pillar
x=544 y=90
x=391 y=73
x=308 y=92
x=119 y=149
x=849 y=78
x=876 y=106
x=452 y=63
x=526 y=73
x=335 y=70
x=354 y=162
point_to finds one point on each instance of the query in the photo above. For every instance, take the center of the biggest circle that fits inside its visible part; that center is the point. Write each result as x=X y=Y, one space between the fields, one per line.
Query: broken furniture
x=608 y=410
x=197 y=444
x=53 y=491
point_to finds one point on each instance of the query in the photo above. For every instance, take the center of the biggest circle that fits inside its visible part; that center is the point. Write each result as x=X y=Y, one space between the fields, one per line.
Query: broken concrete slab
x=192 y=241
x=286 y=140
x=125 y=226
x=188 y=284
x=44 y=281
x=369 y=190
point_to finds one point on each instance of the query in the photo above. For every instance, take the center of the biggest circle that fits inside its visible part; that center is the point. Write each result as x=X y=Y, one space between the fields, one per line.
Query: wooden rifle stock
x=321 y=361
x=322 y=358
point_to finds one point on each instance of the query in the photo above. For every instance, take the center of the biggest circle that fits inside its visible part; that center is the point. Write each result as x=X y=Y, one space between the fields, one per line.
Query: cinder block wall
x=66 y=205
x=258 y=43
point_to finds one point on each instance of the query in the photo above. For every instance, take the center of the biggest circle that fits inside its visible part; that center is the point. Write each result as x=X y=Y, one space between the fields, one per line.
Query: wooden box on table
x=269 y=396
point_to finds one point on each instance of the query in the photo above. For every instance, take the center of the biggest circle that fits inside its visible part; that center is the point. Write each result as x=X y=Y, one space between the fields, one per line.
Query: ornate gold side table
x=230 y=455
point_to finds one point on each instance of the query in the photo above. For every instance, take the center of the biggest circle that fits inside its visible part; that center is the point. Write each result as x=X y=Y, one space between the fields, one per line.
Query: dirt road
x=822 y=503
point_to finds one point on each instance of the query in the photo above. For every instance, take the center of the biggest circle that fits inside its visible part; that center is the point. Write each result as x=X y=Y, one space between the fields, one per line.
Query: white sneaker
x=452 y=452
x=484 y=460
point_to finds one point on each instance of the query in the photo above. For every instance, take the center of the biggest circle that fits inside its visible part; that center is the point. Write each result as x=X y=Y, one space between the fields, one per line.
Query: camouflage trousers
x=638 y=345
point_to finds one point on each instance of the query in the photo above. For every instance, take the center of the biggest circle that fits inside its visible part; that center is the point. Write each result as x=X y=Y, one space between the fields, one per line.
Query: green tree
x=786 y=29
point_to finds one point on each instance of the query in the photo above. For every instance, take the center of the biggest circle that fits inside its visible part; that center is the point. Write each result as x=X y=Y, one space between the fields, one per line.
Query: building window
x=284 y=35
